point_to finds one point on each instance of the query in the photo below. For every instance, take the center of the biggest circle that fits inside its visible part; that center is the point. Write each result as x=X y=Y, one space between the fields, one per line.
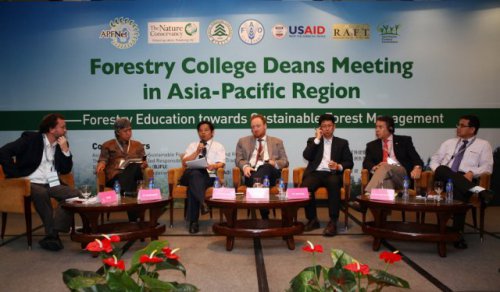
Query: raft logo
x=219 y=32
x=173 y=32
x=123 y=32
x=389 y=34
x=346 y=31
x=307 y=31
x=251 y=32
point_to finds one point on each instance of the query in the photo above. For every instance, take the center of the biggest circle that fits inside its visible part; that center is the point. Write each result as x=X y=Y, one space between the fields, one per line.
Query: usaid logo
x=302 y=31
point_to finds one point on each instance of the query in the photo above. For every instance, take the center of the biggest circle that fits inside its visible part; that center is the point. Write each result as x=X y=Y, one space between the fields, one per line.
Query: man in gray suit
x=260 y=155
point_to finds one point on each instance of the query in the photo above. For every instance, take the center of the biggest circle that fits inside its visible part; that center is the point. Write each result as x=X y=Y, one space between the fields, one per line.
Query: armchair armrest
x=485 y=180
x=298 y=173
x=174 y=175
x=236 y=177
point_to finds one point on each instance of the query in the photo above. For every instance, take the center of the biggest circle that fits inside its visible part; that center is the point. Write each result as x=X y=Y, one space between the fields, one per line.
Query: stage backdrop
x=169 y=64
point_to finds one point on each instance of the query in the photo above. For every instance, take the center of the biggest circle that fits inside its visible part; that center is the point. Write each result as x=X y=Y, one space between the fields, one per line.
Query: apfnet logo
x=173 y=32
x=307 y=31
x=123 y=32
x=347 y=31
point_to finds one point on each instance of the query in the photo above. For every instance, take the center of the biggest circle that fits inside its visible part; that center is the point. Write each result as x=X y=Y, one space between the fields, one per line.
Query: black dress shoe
x=355 y=205
x=52 y=243
x=204 y=208
x=331 y=229
x=311 y=225
x=194 y=227
x=486 y=196
x=460 y=244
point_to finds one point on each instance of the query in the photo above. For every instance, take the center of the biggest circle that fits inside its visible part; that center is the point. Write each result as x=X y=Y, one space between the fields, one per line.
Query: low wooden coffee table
x=126 y=230
x=380 y=228
x=286 y=227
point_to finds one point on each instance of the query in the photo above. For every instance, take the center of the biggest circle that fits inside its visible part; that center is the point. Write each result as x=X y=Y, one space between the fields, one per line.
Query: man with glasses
x=463 y=159
x=327 y=158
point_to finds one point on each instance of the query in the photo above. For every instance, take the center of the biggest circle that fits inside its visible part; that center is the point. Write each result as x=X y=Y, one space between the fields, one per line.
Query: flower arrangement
x=346 y=274
x=142 y=276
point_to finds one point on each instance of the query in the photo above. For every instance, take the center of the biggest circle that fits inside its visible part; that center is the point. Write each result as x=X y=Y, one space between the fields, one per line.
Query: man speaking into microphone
x=198 y=180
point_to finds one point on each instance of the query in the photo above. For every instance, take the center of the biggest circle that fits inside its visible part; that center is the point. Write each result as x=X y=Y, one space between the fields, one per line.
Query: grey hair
x=121 y=123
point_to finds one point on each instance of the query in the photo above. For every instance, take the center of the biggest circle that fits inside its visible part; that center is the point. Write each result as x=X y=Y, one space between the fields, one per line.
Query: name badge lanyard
x=457 y=150
x=121 y=148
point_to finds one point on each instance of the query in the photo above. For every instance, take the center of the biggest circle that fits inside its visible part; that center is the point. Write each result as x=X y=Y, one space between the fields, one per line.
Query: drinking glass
x=438 y=188
x=86 y=192
x=257 y=182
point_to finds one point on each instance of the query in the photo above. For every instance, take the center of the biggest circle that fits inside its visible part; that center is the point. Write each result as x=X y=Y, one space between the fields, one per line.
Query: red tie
x=259 y=152
x=385 y=149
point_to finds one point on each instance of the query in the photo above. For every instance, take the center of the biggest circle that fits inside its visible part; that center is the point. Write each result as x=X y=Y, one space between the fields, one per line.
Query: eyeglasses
x=462 y=126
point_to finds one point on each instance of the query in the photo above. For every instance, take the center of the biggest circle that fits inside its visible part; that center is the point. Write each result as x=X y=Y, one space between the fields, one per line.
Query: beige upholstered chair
x=178 y=191
x=322 y=193
x=15 y=197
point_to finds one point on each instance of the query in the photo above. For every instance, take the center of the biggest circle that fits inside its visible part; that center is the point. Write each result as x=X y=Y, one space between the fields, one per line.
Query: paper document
x=197 y=163
x=124 y=163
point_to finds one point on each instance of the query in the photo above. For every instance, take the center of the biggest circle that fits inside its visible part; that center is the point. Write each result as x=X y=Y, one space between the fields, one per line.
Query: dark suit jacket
x=28 y=152
x=403 y=149
x=340 y=153
x=246 y=146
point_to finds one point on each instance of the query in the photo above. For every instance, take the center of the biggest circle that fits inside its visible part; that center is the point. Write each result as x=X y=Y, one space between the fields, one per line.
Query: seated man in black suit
x=390 y=157
x=328 y=156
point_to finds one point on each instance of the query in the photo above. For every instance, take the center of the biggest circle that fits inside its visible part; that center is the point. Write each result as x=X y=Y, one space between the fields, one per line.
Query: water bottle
x=449 y=191
x=217 y=183
x=281 y=188
x=151 y=183
x=406 y=186
x=265 y=182
x=117 y=189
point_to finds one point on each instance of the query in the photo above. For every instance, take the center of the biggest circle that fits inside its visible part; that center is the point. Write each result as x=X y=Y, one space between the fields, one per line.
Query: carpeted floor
x=211 y=268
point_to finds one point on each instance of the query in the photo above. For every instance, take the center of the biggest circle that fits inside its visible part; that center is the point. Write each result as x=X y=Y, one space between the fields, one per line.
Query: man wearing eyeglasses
x=327 y=158
x=463 y=159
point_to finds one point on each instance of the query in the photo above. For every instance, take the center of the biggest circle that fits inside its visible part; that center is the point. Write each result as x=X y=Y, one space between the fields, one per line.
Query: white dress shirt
x=253 y=160
x=41 y=174
x=215 y=151
x=390 y=146
x=327 y=151
x=478 y=156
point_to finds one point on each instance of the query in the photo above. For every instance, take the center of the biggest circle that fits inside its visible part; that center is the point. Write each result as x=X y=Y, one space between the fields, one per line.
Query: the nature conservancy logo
x=389 y=34
x=251 y=31
x=220 y=32
x=279 y=31
x=173 y=32
x=123 y=33
x=347 y=31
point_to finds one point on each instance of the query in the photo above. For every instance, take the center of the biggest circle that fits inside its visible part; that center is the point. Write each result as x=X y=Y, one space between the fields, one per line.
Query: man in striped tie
x=463 y=159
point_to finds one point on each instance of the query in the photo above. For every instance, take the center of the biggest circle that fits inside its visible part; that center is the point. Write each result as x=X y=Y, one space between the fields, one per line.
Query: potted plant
x=346 y=273
x=141 y=276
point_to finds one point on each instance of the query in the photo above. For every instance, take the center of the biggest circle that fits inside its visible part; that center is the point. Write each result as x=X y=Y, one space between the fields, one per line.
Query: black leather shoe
x=311 y=225
x=331 y=229
x=204 y=208
x=52 y=243
x=461 y=244
x=486 y=196
x=194 y=227
x=355 y=205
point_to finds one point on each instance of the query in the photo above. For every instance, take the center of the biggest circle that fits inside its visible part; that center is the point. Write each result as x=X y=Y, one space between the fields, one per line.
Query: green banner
x=239 y=118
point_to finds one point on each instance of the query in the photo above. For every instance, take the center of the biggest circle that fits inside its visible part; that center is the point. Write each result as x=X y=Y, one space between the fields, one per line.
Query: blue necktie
x=458 y=157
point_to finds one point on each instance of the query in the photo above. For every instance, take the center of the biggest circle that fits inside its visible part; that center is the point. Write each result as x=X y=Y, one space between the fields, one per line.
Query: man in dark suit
x=260 y=155
x=41 y=156
x=328 y=156
x=390 y=157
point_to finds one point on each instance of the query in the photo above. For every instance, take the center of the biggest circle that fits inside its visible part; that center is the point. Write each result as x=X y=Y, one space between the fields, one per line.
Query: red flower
x=114 y=238
x=358 y=268
x=114 y=262
x=150 y=259
x=100 y=245
x=309 y=247
x=170 y=254
x=390 y=257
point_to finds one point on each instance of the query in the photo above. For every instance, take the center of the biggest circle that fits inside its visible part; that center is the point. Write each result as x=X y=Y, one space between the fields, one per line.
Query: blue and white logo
x=251 y=32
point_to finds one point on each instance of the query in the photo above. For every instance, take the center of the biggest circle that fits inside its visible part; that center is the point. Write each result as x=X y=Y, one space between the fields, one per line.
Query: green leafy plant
x=141 y=276
x=346 y=273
